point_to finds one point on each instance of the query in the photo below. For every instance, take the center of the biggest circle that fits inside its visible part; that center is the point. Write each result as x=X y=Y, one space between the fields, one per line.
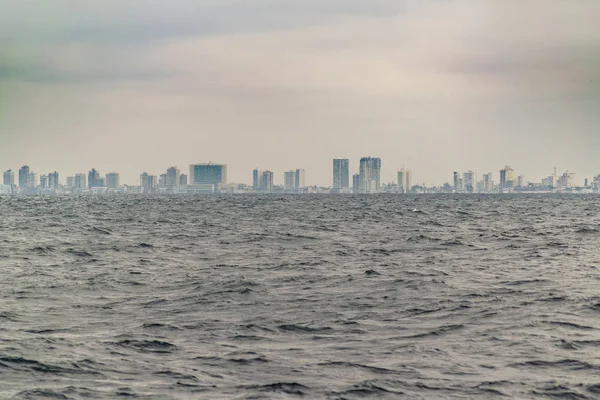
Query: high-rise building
x=70 y=182
x=256 y=179
x=506 y=178
x=404 y=181
x=44 y=182
x=488 y=184
x=341 y=175
x=162 y=180
x=266 y=183
x=93 y=176
x=80 y=182
x=469 y=181
x=113 y=180
x=289 y=180
x=148 y=183
x=172 y=178
x=300 y=180
x=207 y=177
x=32 y=180
x=23 y=176
x=53 y=180
x=566 y=180
x=356 y=183
x=9 y=178
x=183 y=180
x=370 y=175
x=521 y=181
x=455 y=181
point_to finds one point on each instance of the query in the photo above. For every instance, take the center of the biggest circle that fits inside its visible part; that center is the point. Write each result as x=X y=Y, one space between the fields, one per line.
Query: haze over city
x=437 y=86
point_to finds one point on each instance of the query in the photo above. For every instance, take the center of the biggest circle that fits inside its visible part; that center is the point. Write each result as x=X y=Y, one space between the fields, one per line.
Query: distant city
x=209 y=178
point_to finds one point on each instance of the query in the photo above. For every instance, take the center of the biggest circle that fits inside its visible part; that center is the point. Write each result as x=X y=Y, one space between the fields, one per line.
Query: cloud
x=431 y=84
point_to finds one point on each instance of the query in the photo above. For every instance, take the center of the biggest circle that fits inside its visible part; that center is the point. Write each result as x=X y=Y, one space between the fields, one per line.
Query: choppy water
x=428 y=297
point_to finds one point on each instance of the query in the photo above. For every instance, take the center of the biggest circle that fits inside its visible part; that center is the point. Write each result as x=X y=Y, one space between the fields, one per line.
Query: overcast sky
x=434 y=85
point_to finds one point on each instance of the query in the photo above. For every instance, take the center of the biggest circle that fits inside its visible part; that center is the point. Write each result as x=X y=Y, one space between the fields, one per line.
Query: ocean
x=313 y=296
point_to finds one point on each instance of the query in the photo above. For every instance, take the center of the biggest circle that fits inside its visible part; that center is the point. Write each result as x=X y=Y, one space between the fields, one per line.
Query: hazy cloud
x=434 y=85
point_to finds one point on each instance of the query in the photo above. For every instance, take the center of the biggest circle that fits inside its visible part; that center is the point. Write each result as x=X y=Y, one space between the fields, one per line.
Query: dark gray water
x=429 y=297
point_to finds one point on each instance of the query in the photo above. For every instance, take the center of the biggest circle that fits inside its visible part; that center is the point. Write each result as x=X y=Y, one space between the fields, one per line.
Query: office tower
x=53 y=182
x=469 y=181
x=70 y=182
x=113 y=180
x=266 y=182
x=183 y=180
x=148 y=183
x=204 y=175
x=23 y=174
x=289 y=180
x=456 y=188
x=32 y=180
x=300 y=179
x=370 y=175
x=93 y=176
x=586 y=183
x=43 y=182
x=506 y=178
x=100 y=182
x=341 y=175
x=80 y=182
x=172 y=178
x=9 y=178
x=488 y=184
x=356 y=183
x=521 y=181
x=256 y=179
x=404 y=181
x=162 y=180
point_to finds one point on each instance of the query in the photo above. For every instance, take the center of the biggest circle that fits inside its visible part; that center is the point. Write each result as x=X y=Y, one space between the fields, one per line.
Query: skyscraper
x=53 y=182
x=183 y=180
x=113 y=180
x=70 y=182
x=469 y=181
x=172 y=178
x=23 y=176
x=341 y=175
x=9 y=177
x=289 y=180
x=44 y=182
x=300 y=180
x=256 y=179
x=207 y=177
x=266 y=184
x=356 y=183
x=404 y=181
x=80 y=182
x=148 y=183
x=488 y=184
x=455 y=181
x=92 y=180
x=506 y=178
x=370 y=175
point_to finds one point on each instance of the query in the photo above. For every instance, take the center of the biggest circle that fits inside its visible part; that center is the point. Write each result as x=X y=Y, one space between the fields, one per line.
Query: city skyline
x=433 y=85
x=211 y=176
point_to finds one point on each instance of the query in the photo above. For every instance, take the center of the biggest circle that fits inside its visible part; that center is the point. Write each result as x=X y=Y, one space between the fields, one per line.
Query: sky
x=432 y=85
